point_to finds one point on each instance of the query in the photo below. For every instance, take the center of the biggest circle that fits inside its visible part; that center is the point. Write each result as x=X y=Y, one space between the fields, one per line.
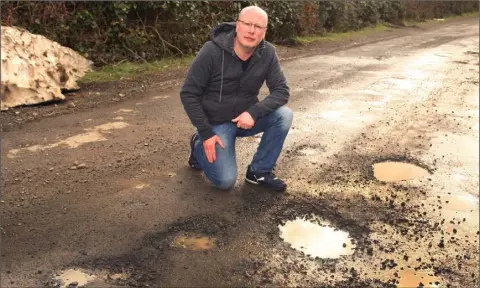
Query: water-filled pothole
x=317 y=240
x=411 y=278
x=195 y=242
x=74 y=276
x=398 y=171
x=461 y=202
x=118 y=276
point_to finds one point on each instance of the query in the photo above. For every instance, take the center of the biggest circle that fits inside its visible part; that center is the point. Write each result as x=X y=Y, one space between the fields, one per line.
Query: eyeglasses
x=249 y=25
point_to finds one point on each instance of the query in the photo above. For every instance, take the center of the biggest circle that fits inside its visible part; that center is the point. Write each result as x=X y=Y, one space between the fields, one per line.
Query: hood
x=223 y=35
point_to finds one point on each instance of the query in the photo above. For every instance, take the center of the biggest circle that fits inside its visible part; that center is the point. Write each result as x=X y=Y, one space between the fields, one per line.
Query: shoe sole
x=190 y=155
x=251 y=182
x=192 y=166
x=256 y=183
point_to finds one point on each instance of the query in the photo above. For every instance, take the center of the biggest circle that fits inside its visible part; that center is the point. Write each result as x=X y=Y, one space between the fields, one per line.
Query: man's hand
x=209 y=147
x=244 y=121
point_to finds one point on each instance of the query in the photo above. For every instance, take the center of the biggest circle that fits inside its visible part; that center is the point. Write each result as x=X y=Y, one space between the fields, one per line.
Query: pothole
x=118 y=276
x=461 y=203
x=316 y=240
x=412 y=278
x=195 y=242
x=124 y=111
x=398 y=171
x=94 y=134
x=160 y=97
x=74 y=277
x=141 y=186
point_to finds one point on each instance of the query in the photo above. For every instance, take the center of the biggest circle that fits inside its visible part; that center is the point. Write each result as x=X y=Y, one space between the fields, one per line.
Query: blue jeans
x=223 y=172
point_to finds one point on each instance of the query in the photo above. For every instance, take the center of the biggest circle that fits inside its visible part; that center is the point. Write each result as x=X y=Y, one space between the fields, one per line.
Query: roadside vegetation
x=125 y=39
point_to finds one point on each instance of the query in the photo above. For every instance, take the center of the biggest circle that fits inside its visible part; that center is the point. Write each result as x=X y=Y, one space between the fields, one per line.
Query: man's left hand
x=244 y=121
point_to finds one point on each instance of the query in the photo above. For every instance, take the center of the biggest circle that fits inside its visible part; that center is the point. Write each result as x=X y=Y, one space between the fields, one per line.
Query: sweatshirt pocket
x=218 y=111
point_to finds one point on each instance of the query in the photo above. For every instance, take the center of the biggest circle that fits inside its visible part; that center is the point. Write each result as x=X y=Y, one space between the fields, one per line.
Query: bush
x=108 y=32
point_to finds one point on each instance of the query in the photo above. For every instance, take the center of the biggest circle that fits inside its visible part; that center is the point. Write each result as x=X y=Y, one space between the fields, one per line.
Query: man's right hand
x=209 y=147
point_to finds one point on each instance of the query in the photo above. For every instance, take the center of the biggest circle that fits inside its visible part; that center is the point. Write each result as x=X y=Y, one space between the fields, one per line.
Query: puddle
x=397 y=171
x=375 y=98
x=118 y=276
x=309 y=151
x=403 y=84
x=124 y=111
x=95 y=135
x=297 y=89
x=195 y=242
x=459 y=177
x=160 y=97
x=415 y=74
x=341 y=103
x=412 y=278
x=73 y=275
x=460 y=202
x=317 y=240
x=141 y=186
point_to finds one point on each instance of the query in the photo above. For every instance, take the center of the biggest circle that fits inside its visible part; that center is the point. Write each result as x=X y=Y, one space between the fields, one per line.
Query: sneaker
x=192 y=161
x=267 y=180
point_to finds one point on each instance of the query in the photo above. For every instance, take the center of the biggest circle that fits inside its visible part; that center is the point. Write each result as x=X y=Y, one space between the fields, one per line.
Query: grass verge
x=340 y=36
x=128 y=70
x=409 y=23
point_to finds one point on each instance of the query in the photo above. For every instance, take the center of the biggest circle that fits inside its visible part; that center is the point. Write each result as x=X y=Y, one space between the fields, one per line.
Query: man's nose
x=251 y=29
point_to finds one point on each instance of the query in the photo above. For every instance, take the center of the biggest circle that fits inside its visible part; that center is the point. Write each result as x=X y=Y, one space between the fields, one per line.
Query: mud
x=408 y=98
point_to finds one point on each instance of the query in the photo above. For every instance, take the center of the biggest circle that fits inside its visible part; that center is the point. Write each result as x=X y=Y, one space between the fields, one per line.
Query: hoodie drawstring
x=221 y=78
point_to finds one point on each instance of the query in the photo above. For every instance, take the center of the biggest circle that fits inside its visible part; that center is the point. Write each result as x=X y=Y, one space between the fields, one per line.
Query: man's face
x=251 y=28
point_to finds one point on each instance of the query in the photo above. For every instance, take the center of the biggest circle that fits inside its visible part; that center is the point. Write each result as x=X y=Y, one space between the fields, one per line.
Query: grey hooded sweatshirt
x=217 y=90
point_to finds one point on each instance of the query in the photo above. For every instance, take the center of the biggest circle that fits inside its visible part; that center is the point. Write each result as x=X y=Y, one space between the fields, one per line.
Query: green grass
x=371 y=30
x=409 y=23
x=463 y=15
x=340 y=36
x=129 y=70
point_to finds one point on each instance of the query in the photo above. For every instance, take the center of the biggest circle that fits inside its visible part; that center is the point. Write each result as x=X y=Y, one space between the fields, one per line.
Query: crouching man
x=220 y=97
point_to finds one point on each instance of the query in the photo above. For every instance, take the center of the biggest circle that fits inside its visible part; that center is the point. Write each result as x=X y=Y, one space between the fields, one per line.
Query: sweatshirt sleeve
x=278 y=88
x=192 y=90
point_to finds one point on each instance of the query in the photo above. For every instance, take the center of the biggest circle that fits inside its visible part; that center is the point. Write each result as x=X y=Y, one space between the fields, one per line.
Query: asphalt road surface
x=103 y=197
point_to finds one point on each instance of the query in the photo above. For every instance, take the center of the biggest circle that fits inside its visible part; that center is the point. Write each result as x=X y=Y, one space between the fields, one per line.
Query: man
x=220 y=97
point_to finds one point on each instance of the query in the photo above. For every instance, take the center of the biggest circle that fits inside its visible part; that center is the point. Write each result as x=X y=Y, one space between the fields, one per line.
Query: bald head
x=254 y=11
x=251 y=27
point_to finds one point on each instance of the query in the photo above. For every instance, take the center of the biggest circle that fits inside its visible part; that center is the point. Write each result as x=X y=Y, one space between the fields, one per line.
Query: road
x=106 y=191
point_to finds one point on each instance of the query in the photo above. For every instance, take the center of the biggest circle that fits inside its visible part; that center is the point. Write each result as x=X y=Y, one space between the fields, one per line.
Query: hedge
x=109 y=32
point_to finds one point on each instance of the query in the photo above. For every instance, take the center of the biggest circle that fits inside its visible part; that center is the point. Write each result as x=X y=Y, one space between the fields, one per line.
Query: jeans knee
x=226 y=183
x=286 y=115
x=226 y=180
